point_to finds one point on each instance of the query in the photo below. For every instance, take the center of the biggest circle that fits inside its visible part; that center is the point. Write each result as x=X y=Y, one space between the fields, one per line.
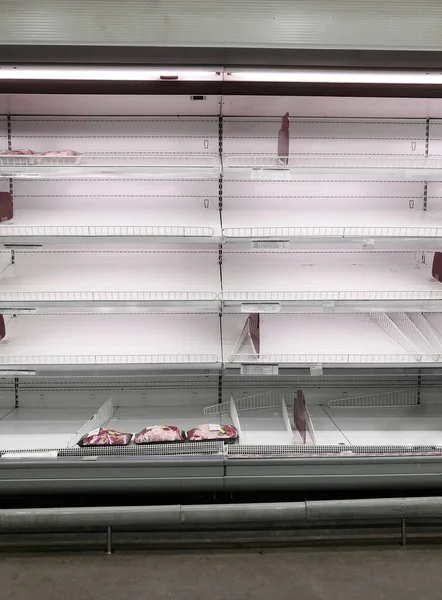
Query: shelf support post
x=11 y=181
x=403 y=533
x=109 y=541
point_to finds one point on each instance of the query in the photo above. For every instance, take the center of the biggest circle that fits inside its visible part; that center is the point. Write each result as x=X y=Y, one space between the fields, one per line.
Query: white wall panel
x=282 y=23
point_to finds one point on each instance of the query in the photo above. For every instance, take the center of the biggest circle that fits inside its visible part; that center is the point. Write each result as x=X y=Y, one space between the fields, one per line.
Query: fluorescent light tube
x=107 y=74
x=333 y=76
x=15 y=373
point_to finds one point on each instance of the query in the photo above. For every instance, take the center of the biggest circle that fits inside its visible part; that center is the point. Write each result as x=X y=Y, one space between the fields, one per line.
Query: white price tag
x=261 y=307
x=259 y=369
x=270 y=244
x=215 y=427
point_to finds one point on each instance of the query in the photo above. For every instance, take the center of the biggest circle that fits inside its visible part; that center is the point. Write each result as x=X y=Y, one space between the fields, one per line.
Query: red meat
x=160 y=433
x=16 y=153
x=212 y=432
x=105 y=437
x=2 y=327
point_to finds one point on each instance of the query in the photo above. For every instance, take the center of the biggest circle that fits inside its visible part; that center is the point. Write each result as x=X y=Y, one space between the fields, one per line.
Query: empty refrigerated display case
x=169 y=262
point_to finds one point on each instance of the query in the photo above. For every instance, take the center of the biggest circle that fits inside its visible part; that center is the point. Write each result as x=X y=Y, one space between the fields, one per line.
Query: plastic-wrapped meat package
x=160 y=433
x=6 y=207
x=105 y=437
x=16 y=153
x=202 y=433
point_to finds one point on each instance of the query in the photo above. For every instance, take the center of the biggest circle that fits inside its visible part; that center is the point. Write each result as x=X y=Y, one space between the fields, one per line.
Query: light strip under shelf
x=107 y=74
x=335 y=76
x=101 y=73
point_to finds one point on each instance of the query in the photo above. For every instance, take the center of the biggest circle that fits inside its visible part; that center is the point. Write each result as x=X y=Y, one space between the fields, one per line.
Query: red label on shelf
x=300 y=415
x=6 y=210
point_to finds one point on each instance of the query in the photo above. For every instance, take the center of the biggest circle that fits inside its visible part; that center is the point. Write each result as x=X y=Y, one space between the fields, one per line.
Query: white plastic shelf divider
x=330 y=339
x=99 y=419
x=107 y=276
x=323 y=276
x=260 y=419
x=109 y=340
x=381 y=400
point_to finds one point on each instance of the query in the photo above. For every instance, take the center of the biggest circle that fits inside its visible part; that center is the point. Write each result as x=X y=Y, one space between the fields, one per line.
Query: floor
x=312 y=574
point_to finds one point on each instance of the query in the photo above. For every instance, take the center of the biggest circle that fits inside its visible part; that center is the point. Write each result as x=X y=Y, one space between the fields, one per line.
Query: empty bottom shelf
x=35 y=428
x=411 y=425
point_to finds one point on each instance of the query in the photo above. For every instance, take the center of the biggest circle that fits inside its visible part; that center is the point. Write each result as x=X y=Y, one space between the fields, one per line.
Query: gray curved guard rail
x=141 y=518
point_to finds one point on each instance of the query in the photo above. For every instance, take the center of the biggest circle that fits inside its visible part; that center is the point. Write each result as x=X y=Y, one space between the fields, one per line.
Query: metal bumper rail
x=142 y=518
x=179 y=520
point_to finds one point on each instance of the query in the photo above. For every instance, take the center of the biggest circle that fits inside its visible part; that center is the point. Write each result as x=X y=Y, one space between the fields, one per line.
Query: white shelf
x=40 y=428
x=309 y=339
x=52 y=428
x=289 y=222
x=378 y=166
x=325 y=276
x=111 y=340
x=411 y=425
x=51 y=218
x=326 y=432
x=110 y=165
x=106 y=276
x=114 y=146
x=264 y=426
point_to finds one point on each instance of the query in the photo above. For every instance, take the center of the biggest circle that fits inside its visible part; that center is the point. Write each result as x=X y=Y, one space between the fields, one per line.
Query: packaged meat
x=16 y=158
x=6 y=207
x=160 y=433
x=201 y=433
x=105 y=437
x=16 y=153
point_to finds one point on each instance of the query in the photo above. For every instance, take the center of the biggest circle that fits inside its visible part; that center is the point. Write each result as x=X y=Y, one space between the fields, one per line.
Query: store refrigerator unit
x=269 y=265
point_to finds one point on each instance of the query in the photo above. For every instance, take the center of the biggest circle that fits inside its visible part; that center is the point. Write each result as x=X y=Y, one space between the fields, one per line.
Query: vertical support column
x=11 y=181
x=16 y=393
x=109 y=541
x=220 y=252
x=427 y=146
x=403 y=533
x=427 y=137
x=419 y=388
